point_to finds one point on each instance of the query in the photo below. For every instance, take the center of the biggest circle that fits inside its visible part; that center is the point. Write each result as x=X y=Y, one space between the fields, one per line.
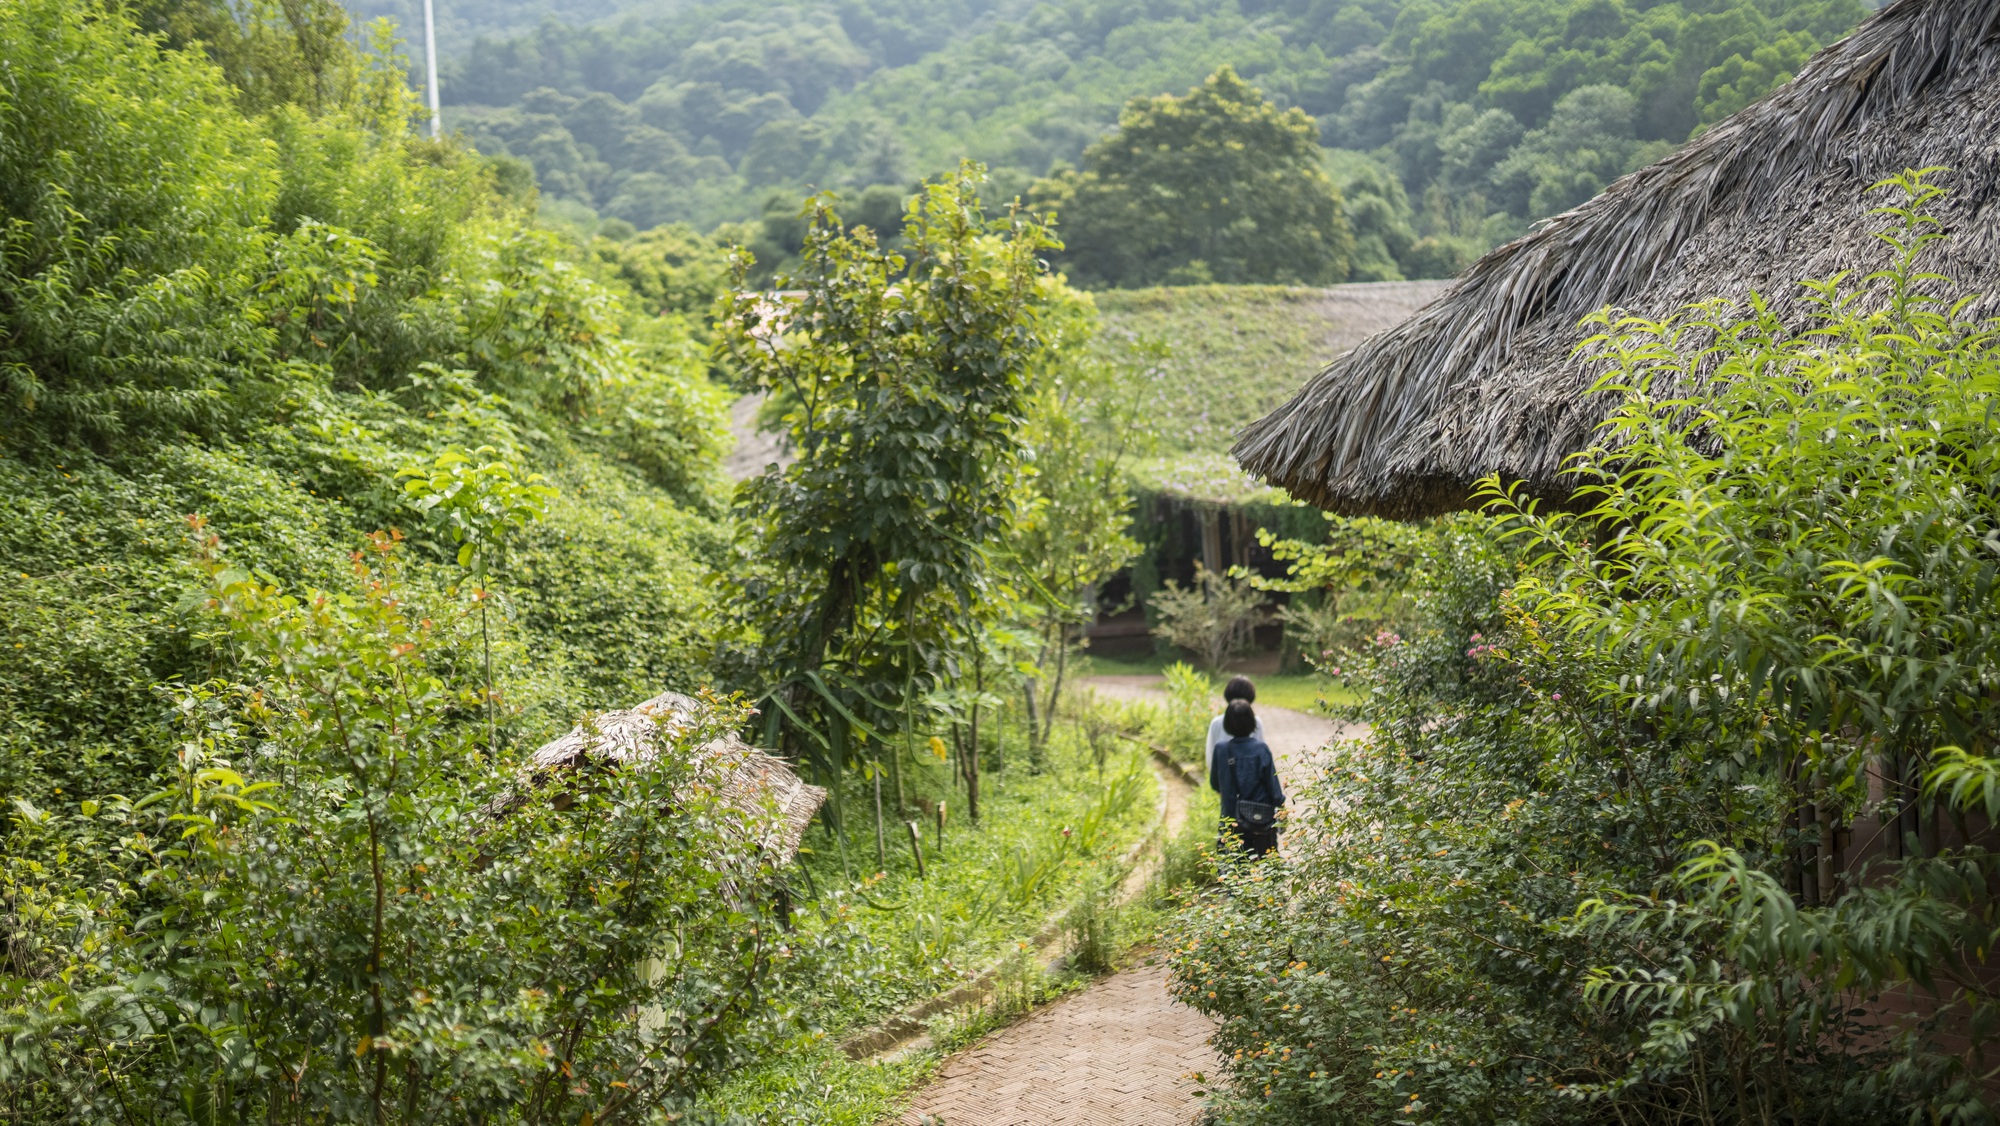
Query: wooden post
x=1210 y=522
x=972 y=760
x=881 y=851
x=940 y=840
x=916 y=848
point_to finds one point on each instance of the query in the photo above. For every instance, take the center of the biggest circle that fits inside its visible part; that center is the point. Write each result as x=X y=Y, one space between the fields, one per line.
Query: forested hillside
x=318 y=301
x=1448 y=125
x=461 y=25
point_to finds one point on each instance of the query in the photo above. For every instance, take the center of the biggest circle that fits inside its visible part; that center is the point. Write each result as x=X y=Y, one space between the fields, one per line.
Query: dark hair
x=1240 y=688
x=1239 y=719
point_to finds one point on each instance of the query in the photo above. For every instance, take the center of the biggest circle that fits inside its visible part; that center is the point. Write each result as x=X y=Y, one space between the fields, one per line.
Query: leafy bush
x=1587 y=864
x=263 y=320
x=1190 y=705
x=136 y=197
x=863 y=567
x=1355 y=582
x=1212 y=619
x=334 y=873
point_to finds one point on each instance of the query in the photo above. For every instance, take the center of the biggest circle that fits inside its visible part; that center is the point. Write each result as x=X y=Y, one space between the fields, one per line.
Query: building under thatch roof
x=746 y=779
x=1484 y=379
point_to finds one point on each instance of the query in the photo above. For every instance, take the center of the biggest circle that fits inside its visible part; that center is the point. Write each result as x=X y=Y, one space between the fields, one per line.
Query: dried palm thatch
x=1486 y=379
x=744 y=778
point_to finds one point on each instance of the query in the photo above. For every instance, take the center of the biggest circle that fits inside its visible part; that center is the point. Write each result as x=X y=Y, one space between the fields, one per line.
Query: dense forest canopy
x=1448 y=125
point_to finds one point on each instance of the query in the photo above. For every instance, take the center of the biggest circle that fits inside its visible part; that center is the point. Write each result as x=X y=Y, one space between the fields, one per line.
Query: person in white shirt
x=1238 y=688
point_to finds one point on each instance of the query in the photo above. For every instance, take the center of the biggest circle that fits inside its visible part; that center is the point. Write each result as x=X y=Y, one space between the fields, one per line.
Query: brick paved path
x=1120 y=1053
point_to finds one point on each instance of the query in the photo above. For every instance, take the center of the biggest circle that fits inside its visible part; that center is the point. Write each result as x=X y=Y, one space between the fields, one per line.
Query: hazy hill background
x=1449 y=124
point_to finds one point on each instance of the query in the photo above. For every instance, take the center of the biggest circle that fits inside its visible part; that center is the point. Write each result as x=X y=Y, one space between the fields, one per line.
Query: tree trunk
x=972 y=777
x=909 y=703
x=881 y=851
x=1028 y=697
x=838 y=756
x=972 y=760
x=896 y=773
x=1211 y=539
x=486 y=648
x=1055 y=686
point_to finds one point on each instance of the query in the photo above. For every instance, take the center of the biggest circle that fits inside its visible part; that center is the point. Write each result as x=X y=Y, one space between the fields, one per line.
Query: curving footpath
x=1121 y=1052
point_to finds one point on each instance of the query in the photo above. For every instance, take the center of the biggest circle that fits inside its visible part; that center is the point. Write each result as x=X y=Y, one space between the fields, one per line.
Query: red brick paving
x=1121 y=1052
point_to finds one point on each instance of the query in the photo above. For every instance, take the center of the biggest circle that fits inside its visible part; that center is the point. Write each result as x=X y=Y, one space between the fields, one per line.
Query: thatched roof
x=745 y=778
x=1484 y=379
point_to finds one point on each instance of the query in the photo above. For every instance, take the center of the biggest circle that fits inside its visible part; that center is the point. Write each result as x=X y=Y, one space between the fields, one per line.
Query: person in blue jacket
x=1242 y=771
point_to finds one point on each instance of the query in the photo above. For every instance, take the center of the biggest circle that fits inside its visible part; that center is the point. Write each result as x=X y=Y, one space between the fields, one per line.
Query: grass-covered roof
x=1233 y=352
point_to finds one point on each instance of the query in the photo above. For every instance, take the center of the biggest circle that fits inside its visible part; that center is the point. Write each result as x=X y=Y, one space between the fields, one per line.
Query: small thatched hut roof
x=744 y=777
x=1484 y=378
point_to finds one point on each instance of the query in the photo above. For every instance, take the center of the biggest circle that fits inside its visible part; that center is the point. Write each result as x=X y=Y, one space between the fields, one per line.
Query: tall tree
x=1217 y=185
x=904 y=381
x=1071 y=535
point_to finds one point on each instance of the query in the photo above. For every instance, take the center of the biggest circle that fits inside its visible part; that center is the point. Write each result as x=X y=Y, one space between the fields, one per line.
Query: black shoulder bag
x=1251 y=814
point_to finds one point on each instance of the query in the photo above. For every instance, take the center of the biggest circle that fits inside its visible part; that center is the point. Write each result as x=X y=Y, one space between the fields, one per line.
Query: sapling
x=479 y=504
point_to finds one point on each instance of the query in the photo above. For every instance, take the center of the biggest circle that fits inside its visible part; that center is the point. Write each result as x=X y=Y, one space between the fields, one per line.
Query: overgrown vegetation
x=334 y=486
x=1674 y=810
x=260 y=700
x=338 y=905
x=1044 y=853
x=264 y=320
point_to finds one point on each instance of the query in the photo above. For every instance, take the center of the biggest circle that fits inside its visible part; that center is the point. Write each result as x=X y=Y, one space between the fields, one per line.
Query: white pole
x=431 y=65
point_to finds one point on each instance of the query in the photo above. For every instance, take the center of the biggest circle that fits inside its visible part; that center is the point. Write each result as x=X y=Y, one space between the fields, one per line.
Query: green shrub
x=1213 y=618
x=1563 y=877
x=338 y=905
x=261 y=322
x=1190 y=705
x=135 y=197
